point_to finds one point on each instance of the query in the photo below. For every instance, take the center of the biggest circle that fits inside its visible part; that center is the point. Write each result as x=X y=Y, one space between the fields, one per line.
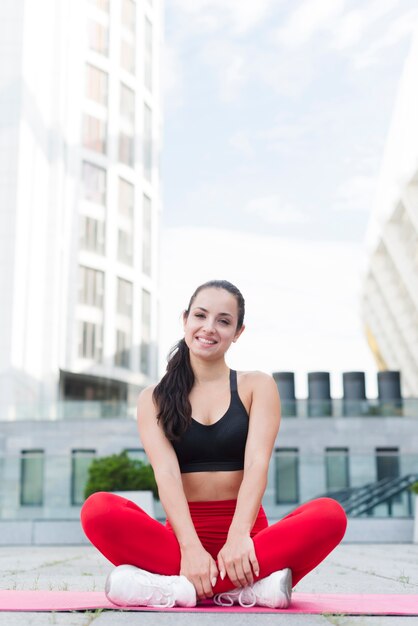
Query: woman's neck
x=206 y=372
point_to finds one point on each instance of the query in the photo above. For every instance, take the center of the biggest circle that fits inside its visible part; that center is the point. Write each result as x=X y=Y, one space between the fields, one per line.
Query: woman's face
x=211 y=325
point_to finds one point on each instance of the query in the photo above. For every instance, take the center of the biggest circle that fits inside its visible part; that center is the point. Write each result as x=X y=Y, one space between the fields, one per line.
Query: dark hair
x=171 y=395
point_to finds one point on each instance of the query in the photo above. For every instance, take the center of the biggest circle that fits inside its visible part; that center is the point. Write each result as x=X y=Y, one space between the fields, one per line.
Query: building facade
x=79 y=182
x=390 y=293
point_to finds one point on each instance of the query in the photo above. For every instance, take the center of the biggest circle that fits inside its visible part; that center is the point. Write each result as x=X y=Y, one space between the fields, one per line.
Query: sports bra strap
x=233 y=380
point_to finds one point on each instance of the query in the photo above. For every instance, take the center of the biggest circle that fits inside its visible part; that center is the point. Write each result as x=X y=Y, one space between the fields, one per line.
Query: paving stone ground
x=351 y=568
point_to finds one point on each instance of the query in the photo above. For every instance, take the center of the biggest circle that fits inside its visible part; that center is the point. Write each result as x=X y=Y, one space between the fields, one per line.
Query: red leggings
x=124 y=533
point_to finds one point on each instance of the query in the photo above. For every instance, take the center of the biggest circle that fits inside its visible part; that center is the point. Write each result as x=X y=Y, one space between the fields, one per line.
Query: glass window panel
x=146 y=332
x=128 y=8
x=148 y=55
x=94 y=183
x=287 y=475
x=125 y=247
x=90 y=344
x=337 y=473
x=127 y=56
x=101 y=4
x=137 y=454
x=96 y=84
x=94 y=134
x=387 y=463
x=147 y=142
x=92 y=234
x=98 y=37
x=146 y=236
x=91 y=286
x=123 y=349
x=124 y=304
x=32 y=477
x=80 y=463
x=127 y=103
x=126 y=149
x=126 y=198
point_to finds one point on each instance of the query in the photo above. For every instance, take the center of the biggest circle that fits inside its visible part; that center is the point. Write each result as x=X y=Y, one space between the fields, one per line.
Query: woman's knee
x=334 y=515
x=97 y=505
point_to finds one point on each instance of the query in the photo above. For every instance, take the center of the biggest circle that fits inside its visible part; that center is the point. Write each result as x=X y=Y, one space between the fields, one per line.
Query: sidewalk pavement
x=350 y=568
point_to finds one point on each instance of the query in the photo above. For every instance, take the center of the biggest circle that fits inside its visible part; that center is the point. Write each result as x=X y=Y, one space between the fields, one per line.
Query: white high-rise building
x=80 y=112
x=390 y=295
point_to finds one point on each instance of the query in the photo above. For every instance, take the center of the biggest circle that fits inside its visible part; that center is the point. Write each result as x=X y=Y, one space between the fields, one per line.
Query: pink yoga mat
x=348 y=604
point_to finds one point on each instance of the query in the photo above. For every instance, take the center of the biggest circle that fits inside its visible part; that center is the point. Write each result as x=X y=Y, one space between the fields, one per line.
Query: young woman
x=209 y=432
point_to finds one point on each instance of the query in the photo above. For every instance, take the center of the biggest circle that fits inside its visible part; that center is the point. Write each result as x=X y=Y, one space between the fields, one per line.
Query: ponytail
x=171 y=395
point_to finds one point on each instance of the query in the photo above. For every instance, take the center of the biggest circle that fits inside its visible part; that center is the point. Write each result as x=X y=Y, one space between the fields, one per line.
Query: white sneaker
x=273 y=591
x=127 y=585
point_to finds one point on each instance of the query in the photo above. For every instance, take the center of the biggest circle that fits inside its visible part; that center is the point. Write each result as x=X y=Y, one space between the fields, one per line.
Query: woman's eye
x=199 y=315
x=225 y=322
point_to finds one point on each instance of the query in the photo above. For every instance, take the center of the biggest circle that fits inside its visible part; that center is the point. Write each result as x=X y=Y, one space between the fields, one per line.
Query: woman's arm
x=196 y=564
x=237 y=557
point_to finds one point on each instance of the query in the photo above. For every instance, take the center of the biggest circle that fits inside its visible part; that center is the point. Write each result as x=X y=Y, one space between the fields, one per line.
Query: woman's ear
x=239 y=333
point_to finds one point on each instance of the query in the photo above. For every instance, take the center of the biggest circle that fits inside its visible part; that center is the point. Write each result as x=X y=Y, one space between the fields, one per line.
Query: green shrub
x=414 y=487
x=118 y=472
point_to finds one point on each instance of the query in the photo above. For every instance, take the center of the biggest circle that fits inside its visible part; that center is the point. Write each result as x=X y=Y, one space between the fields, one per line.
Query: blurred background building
x=390 y=294
x=80 y=134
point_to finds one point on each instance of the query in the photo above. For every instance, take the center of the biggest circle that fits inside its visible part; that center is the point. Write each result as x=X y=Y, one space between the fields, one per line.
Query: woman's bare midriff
x=205 y=486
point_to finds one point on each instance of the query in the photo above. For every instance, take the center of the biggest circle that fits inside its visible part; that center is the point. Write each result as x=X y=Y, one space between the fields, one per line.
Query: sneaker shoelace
x=246 y=597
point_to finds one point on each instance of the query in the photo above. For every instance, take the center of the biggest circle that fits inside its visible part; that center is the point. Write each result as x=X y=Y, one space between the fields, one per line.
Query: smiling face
x=211 y=324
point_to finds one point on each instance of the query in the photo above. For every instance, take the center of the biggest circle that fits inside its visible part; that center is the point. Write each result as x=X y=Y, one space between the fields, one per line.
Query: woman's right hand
x=200 y=568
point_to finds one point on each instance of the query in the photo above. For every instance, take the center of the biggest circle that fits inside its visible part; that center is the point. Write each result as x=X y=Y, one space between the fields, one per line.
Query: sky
x=276 y=115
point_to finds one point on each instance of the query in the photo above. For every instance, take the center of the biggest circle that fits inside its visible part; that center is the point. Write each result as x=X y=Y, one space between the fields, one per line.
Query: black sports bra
x=219 y=446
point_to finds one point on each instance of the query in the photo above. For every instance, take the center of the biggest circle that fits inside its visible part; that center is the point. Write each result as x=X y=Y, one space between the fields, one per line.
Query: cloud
x=238 y=16
x=272 y=210
x=356 y=193
x=241 y=143
x=172 y=78
x=302 y=299
x=311 y=17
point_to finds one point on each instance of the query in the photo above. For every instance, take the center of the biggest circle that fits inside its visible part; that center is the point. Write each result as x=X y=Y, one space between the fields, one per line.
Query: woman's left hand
x=237 y=559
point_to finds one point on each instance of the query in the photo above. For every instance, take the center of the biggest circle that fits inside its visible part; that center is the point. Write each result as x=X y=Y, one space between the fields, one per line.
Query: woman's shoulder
x=145 y=397
x=254 y=375
x=255 y=379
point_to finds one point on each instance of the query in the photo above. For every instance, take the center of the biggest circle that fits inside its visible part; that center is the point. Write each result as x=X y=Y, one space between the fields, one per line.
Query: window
x=90 y=341
x=148 y=55
x=94 y=183
x=91 y=287
x=96 y=84
x=98 y=37
x=124 y=304
x=127 y=104
x=128 y=14
x=92 y=234
x=80 y=463
x=147 y=142
x=287 y=475
x=337 y=474
x=125 y=247
x=137 y=454
x=127 y=56
x=101 y=4
x=126 y=198
x=94 y=134
x=387 y=463
x=126 y=149
x=146 y=236
x=123 y=349
x=32 y=478
x=146 y=332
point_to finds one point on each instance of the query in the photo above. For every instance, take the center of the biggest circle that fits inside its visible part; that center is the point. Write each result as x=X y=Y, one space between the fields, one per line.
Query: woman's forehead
x=212 y=298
